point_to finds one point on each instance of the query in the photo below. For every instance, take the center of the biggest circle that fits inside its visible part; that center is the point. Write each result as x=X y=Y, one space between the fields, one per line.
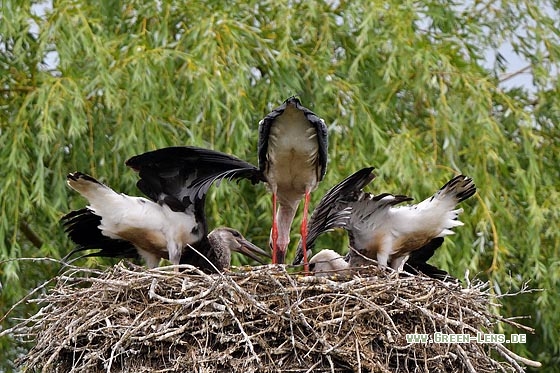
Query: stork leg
x=398 y=263
x=304 y=231
x=174 y=255
x=384 y=252
x=284 y=219
x=274 y=231
x=152 y=260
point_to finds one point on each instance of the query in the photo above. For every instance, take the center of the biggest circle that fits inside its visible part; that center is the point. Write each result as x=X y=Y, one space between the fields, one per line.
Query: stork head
x=327 y=263
x=226 y=240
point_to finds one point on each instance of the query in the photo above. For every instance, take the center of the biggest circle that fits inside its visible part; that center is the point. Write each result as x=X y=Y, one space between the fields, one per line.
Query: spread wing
x=180 y=176
x=167 y=175
x=332 y=210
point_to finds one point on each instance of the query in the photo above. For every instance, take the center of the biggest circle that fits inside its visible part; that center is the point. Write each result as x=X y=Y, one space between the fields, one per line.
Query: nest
x=129 y=319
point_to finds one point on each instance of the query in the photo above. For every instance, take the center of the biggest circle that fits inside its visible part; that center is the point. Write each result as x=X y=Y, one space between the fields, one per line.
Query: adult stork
x=292 y=154
x=169 y=223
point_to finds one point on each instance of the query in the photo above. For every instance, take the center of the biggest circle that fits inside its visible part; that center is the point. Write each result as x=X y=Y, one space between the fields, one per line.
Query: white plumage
x=327 y=263
x=154 y=229
x=381 y=231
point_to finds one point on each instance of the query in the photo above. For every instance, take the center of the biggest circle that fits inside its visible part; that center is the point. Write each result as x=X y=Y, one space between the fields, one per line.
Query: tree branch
x=30 y=234
x=512 y=75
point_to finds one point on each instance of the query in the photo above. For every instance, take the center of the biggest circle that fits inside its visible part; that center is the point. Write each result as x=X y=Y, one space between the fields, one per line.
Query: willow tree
x=401 y=85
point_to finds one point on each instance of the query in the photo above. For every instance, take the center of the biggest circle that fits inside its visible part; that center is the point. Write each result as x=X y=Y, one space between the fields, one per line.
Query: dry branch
x=258 y=319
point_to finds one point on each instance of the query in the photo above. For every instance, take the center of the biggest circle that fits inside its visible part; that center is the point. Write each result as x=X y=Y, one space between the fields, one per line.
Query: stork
x=83 y=228
x=378 y=230
x=124 y=226
x=292 y=152
x=222 y=242
x=369 y=215
x=176 y=180
x=328 y=262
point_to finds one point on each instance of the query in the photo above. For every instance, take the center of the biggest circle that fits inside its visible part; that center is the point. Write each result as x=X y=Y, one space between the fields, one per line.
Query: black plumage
x=330 y=213
x=292 y=152
x=176 y=178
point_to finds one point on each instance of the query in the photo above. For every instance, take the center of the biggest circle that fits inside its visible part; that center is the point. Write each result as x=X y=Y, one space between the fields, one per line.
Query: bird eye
x=236 y=234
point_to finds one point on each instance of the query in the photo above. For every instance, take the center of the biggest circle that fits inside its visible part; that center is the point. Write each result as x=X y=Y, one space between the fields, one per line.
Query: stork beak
x=251 y=250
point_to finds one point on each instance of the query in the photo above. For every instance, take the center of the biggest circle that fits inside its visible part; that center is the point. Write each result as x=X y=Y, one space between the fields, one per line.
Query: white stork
x=292 y=154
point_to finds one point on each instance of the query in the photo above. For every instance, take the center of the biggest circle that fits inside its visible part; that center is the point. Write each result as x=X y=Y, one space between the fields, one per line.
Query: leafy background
x=402 y=86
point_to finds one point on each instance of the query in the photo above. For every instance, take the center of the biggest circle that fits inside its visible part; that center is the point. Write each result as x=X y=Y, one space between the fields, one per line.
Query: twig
x=30 y=234
x=513 y=74
x=511 y=354
x=128 y=318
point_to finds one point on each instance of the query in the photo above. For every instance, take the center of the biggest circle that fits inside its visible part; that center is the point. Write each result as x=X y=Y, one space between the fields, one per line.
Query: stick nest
x=129 y=319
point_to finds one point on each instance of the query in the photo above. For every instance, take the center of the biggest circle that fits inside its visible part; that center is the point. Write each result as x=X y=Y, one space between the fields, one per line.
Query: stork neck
x=218 y=253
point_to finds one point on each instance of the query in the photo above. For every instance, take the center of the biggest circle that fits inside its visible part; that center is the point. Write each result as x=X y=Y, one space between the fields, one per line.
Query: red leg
x=274 y=233
x=304 y=232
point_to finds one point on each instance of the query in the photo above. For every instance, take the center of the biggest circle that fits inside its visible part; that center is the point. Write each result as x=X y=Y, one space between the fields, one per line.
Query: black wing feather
x=322 y=136
x=264 y=131
x=417 y=262
x=170 y=172
x=320 y=127
x=171 y=157
x=180 y=176
x=199 y=187
x=82 y=226
x=332 y=212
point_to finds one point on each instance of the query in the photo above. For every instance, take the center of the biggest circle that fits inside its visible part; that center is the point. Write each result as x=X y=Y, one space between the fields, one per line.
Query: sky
x=517 y=67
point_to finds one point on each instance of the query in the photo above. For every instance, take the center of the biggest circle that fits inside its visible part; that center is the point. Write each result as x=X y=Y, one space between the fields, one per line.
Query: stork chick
x=378 y=230
x=328 y=262
x=124 y=226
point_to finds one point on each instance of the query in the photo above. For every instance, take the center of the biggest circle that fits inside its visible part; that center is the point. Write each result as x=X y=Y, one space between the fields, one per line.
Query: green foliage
x=400 y=84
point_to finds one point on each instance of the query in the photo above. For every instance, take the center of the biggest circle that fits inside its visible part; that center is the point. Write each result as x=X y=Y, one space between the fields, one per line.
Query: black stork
x=292 y=154
x=379 y=230
x=175 y=180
